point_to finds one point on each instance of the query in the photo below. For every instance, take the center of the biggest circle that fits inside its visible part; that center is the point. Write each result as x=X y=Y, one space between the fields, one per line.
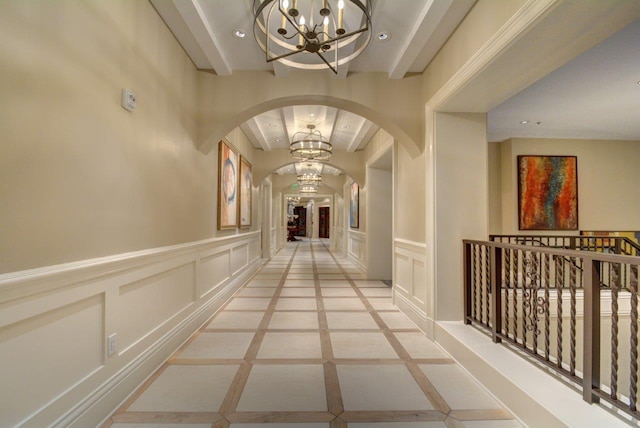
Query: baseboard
x=98 y=406
x=417 y=315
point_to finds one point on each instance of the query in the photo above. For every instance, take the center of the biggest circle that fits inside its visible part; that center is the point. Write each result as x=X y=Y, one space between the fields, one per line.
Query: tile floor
x=307 y=343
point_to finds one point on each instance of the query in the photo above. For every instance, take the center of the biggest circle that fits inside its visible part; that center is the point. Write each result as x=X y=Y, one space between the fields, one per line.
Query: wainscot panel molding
x=55 y=321
x=358 y=249
x=410 y=282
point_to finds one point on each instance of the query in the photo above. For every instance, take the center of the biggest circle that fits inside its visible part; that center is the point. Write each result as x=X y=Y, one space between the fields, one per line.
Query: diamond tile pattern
x=308 y=343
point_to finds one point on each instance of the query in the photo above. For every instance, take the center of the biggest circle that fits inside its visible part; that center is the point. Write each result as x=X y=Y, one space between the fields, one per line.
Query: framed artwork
x=227 y=186
x=354 y=206
x=245 y=192
x=547 y=193
x=602 y=240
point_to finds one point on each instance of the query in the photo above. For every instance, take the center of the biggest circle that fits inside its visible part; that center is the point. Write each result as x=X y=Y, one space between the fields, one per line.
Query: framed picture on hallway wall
x=547 y=193
x=245 y=192
x=227 y=186
x=354 y=207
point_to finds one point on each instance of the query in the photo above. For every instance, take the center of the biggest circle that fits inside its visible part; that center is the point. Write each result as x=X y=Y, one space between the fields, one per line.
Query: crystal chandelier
x=310 y=145
x=309 y=173
x=327 y=33
x=309 y=188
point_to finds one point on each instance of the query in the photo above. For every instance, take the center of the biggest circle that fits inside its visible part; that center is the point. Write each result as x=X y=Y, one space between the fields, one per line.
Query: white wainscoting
x=358 y=249
x=410 y=282
x=54 y=324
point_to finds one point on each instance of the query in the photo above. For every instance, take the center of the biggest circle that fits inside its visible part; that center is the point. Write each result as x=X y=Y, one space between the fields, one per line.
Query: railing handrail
x=602 y=257
x=574 y=238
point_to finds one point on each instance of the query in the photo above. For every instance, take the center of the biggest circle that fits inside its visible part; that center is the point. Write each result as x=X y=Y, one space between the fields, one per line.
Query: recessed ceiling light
x=524 y=122
x=239 y=33
x=383 y=36
x=277 y=140
x=311 y=114
x=273 y=125
x=347 y=126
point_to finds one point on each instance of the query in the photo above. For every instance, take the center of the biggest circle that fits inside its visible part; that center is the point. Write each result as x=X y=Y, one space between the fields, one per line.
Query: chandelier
x=309 y=173
x=310 y=145
x=327 y=33
x=308 y=188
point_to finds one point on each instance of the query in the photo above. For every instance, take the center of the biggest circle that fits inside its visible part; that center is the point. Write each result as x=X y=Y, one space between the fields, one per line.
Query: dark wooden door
x=301 y=222
x=325 y=220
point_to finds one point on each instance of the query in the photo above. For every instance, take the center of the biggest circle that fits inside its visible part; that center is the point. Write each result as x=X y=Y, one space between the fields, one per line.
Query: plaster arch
x=221 y=126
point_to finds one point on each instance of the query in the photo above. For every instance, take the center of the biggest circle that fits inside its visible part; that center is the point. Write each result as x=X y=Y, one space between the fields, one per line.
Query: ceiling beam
x=424 y=28
x=363 y=127
x=194 y=17
x=254 y=127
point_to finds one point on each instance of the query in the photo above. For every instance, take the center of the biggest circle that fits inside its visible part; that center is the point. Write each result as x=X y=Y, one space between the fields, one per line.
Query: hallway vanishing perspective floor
x=307 y=343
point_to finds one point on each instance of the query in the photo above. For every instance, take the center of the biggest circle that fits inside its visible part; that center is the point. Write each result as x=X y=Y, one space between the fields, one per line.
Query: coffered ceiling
x=417 y=29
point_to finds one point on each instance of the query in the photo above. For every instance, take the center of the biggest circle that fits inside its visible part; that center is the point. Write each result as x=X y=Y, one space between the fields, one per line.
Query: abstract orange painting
x=548 y=192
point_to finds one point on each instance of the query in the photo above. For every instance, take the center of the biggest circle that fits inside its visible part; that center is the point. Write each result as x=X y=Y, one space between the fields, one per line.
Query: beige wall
x=608 y=174
x=81 y=177
x=410 y=196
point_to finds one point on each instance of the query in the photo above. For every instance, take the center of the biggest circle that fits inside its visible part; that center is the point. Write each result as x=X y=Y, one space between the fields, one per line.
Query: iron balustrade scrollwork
x=526 y=295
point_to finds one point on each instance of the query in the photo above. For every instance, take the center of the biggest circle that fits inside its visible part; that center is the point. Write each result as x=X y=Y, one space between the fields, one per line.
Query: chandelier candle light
x=326 y=33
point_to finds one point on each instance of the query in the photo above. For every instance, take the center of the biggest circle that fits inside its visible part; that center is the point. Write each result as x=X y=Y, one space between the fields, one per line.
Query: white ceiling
x=594 y=96
x=418 y=29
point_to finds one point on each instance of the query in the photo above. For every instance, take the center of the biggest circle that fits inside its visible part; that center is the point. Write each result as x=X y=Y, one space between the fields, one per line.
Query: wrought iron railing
x=552 y=304
x=604 y=244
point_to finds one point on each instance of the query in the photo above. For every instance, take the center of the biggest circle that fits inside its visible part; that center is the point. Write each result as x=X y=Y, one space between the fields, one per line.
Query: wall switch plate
x=128 y=100
x=112 y=345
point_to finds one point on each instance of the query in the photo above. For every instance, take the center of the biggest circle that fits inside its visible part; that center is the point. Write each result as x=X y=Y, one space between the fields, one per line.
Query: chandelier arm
x=335 y=71
x=270 y=59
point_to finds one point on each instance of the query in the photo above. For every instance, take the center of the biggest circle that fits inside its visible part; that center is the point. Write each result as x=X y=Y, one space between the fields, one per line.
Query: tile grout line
x=234 y=394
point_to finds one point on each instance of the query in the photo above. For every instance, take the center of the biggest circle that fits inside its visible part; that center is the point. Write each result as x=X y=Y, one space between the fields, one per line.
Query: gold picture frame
x=227 y=186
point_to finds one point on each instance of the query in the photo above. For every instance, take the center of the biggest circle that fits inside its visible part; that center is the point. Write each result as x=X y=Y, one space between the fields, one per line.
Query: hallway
x=308 y=343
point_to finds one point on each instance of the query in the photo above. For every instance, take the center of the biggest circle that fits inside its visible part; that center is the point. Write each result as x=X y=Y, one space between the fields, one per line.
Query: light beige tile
x=343 y=303
x=187 y=389
x=248 y=303
x=263 y=283
x=437 y=424
x=331 y=276
x=296 y=304
x=298 y=292
x=339 y=292
x=509 y=423
x=218 y=346
x=351 y=320
x=299 y=283
x=380 y=387
x=361 y=345
x=290 y=345
x=148 y=425
x=450 y=379
x=256 y=292
x=419 y=346
x=282 y=388
x=281 y=425
x=330 y=283
x=236 y=320
x=382 y=304
x=376 y=291
x=294 y=320
x=300 y=276
x=397 y=320
x=368 y=283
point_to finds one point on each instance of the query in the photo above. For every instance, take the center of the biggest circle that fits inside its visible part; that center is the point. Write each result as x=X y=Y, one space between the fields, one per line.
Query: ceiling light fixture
x=240 y=34
x=383 y=37
x=310 y=145
x=524 y=122
x=336 y=31
x=308 y=188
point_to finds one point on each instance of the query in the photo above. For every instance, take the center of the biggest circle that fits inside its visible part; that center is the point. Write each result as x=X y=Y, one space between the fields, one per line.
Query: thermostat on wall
x=128 y=100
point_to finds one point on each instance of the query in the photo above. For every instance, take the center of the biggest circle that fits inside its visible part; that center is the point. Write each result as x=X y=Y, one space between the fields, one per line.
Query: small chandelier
x=309 y=173
x=332 y=32
x=310 y=145
x=308 y=188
